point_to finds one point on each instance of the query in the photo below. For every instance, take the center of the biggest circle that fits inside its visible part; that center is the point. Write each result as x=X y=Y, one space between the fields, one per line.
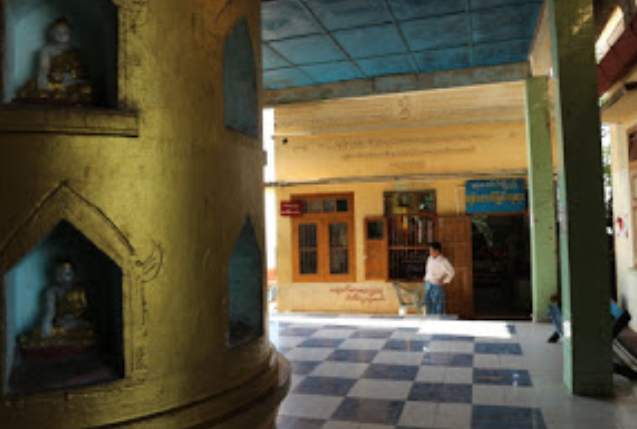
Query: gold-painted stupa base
x=162 y=186
x=66 y=65
x=81 y=337
x=230 y=410
x=81 y=96
x=56 y=94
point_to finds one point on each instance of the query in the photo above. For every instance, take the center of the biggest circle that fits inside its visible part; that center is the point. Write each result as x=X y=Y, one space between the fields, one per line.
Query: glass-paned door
x=308 y=248
x=339 y=252
x=323 y=239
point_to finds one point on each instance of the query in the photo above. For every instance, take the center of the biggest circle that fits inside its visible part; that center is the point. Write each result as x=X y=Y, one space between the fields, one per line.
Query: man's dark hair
x=436 y=246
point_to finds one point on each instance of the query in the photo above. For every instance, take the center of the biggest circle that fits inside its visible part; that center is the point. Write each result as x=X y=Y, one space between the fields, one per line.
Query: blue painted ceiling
x=309 y=42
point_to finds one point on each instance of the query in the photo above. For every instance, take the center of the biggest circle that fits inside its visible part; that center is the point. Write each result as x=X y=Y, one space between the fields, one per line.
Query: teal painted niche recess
x=24 y=289
x=245 y=277
x=95 y=32
x=240 y=92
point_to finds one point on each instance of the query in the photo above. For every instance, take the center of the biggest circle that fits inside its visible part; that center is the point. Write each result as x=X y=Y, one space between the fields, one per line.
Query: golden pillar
x=153 y=190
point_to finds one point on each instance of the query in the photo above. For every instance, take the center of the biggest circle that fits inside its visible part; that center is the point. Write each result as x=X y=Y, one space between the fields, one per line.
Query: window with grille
x=410 y=202
x=411 y=226
x=409 y=238
x=632 y=146
x=323 y=239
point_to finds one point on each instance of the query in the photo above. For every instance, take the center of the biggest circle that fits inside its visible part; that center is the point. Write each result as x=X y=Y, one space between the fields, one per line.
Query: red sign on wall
x=291 y=208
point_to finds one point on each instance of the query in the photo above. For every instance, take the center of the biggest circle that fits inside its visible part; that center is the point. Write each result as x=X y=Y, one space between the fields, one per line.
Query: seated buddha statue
x=64 y=322
x=60 y=78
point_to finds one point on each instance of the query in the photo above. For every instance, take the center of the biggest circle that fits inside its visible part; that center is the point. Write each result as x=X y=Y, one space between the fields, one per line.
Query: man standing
x=439 y=274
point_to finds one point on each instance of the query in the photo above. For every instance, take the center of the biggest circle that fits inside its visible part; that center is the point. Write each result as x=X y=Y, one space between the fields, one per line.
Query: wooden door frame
x=322 y=220
x=385 y=245
x=467 y=310
x=499 y=214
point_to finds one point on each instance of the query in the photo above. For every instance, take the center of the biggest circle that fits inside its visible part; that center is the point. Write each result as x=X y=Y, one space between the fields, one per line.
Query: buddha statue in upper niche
x=64 y=320
x=60 y=78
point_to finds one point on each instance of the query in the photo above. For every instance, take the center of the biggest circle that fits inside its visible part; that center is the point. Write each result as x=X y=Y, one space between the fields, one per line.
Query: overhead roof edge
x=393 y=84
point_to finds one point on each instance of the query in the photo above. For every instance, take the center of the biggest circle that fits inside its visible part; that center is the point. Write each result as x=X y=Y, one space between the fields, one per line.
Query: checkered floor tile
x=406 y=373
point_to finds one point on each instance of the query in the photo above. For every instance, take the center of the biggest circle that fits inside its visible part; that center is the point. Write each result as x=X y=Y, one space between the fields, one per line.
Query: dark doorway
x=501 y=267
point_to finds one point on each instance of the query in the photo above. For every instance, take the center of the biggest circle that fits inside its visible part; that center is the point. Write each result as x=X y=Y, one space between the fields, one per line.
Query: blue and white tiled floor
x=357 y=372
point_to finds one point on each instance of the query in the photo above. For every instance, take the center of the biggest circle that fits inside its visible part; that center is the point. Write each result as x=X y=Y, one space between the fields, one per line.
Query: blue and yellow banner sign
x=496 y=196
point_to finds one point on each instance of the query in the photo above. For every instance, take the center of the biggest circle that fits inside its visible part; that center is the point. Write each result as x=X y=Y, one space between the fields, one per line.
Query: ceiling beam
x=398 y=83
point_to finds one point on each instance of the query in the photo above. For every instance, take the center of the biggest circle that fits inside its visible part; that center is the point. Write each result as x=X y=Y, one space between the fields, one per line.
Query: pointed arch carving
x=64 y=205
x=240 y=76
x=245 y=287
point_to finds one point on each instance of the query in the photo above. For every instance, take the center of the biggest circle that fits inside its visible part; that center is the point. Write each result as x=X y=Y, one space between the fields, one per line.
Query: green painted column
x=544 y=269
x=583 y=242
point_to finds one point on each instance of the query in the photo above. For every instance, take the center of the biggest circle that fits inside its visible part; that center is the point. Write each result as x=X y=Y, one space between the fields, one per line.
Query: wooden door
x=454 y=233
x=376 y=248
x=323 y=250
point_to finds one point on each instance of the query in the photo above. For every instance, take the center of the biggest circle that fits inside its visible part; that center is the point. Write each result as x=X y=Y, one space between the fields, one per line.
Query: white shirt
x=439 y=270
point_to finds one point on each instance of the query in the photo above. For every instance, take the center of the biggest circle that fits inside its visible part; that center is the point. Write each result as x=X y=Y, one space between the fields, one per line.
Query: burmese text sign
x=496 y=196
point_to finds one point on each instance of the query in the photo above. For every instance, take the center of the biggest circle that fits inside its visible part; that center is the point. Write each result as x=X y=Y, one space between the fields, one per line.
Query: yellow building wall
x=361 y=296
x=622 y=116
x=368 y=147
x=446 y=150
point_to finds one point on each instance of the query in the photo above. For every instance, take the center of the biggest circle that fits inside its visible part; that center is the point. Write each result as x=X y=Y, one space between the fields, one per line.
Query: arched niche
x=245 y=288
x=240 y=92
x=24 y=26
x=84 y=359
